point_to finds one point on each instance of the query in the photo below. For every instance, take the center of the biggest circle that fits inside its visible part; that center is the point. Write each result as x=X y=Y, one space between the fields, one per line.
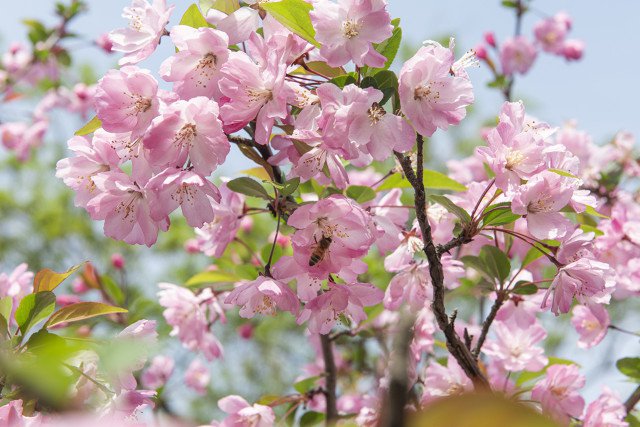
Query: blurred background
x=41 y=226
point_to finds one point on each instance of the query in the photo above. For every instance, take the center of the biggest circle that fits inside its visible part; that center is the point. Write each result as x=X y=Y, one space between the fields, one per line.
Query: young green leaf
x=193 y=17
x=33 y=308
x=249 y=187
x=91 y=126
x=294 y=15
x=360 y=193
x=434 y=180
x=211 y=277
x=290 y=187
x=48 y=280
x=630 y=366
x=451 y=207
x=496 y=261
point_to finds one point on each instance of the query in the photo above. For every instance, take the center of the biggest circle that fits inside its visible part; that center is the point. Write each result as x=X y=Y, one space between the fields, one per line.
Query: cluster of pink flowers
x=517 y=54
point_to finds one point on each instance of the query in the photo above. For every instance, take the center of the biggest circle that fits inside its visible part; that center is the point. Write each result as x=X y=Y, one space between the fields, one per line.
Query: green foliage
x=294 y=15
x=248 y=187
x=360 y=193
x=48 y=280
x=388 y=48
x=34 y=308
x=433 y=180
x=451 y=207
x=193 y=17
x=91 y=126
x=629 y=366
x=81 y=311
x=226 y=6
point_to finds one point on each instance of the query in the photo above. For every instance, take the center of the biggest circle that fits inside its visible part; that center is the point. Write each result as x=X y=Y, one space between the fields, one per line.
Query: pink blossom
x=90 y=158
x=558 y=392
x=323 y=311
x=126 y=403
x=578 y=245
x=573 y=50
x=515 y=348
x=442 y=381
x=551 y=32
x=350 y=228
x=431 y=97
x=197 y=377
x=241 y=414
x=585 y=279
x=490 y=38
x=22 y=138
x=237 y=25
x=124 y=206
x=188 y=130
x=117 y=261
x=263 y=295
x=11 y=415
x=606 y=411
x=540 y=201
x=16 y=284
x=255 y=91
x=517 y=55
x=214 y=236
x=104 y=42
x=195 y=68
x=591 y=322
x=347 y=30
x=146 y=27
x=412 y=286
x=126 y=100
x=187 y=189
x=158 y=372
x=390 y=220
x=514 y=151
x=424 y=331
x=190 y=316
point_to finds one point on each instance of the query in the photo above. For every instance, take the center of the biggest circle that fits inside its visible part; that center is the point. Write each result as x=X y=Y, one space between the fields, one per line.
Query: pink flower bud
x=79 y=286
x=246 y=224
x=490 y=38
x=481 y=52
x=191 y=246
x=105 y=43
x=245 y=331
x=564 y=18
x=117 y=261
x=573 y=49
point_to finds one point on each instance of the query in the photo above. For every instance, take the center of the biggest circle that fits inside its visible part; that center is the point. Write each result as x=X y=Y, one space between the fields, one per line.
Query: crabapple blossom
x=187 y=189
x=515 y=348
x=263 y=295
x=323 y=311
x=573 y=50
x=585 y=279
x=412 y=286
x=607 y=410
x=591 y=322
x=146 y=27
x=238 y=25
x=430 y=95
x=213 y=237
x=16 y=284
x=90 y=158
x=241 y=414
x=254 y=91
x=190 y=315
x=517 y=55
x=127 y=100
x=195 y=68
x=444 y=381
x=350 y=228
x=124 y=206
x=188 y=130
x=558 y=392
x=22 y=138
x=540 y=201
x=347 y=30
x=551 y=32
x=197 y=377
x=158 y=372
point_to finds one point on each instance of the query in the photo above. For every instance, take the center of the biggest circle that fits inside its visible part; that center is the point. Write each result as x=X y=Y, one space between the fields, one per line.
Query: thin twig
x=330 y=380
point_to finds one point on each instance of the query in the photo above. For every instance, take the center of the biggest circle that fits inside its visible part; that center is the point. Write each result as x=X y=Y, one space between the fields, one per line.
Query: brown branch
x=455 y=345
x=632 y=400
x=487 y=323
x=330 y=380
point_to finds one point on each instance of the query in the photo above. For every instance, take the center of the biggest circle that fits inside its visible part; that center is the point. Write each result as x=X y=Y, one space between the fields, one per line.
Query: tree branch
x=487 y=323
x=454 y=344
x=330 y=380
x=631 y=402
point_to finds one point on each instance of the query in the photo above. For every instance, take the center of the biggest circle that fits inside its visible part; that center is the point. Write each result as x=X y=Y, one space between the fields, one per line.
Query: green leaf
x=312 y=418
x=387 y=82
x=344 y=80
x=226 y=6
x=211 y=277
x=306 y=384
x=360 y=193
x=524 y=287
x=81 y=311
x=531 y=255
x=320 y=67
x=193 y=17
x=247 y=186
x=496 y=262
x=277 y=252
x=112 y=290
x=389 y=47
x=293 y=14
x=530 y=376
x=591 y=229
x=48 y=280
x=290 y=187
x=563 y=173
x=6 y=306
x=451 y=207
x=432 y=180
x=629 y=366
x=477 y=264
x=632 y=420
x=33 y=308
x=499 y=214
x=91 y=126
x=591 y=211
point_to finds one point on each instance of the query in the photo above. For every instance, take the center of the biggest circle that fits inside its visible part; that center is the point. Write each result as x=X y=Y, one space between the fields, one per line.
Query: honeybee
x=319 y=250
